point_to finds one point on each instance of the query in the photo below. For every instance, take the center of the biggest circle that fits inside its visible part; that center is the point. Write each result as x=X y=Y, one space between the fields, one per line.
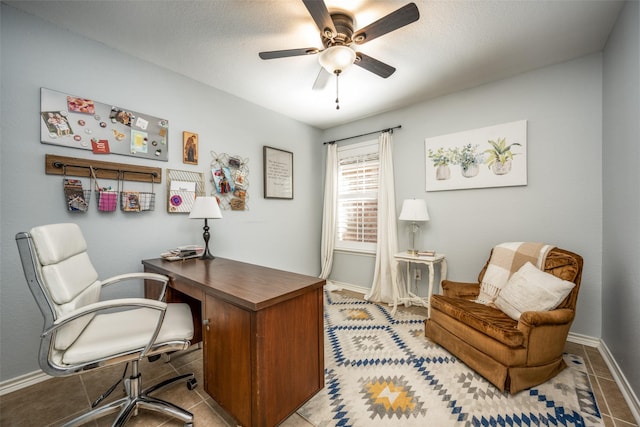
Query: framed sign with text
x=278 y=173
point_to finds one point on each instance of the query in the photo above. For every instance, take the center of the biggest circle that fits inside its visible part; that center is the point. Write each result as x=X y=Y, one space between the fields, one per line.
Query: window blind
x=357 y=222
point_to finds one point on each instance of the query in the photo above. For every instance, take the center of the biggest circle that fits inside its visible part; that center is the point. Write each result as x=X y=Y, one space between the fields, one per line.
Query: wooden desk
x=263 y=334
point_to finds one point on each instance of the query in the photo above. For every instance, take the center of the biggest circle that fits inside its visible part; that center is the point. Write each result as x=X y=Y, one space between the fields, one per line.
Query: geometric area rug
x=380 y=370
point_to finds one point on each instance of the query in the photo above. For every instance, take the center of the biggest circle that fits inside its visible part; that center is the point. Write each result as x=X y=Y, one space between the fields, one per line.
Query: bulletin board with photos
x=77 y=122
x=230 y=177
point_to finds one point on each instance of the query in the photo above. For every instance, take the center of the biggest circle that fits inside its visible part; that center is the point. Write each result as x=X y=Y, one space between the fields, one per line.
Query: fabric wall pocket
x=107 y=200
x=76 y=197
x=137 y=201
x=106 y=197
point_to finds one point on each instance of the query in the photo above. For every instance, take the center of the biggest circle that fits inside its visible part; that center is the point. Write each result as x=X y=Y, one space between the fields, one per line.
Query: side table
x=429 y=261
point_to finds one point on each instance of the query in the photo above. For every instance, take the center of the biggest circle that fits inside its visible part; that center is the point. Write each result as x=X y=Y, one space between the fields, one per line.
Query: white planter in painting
x=501 y=168
x=443 y=172
x=470 y=171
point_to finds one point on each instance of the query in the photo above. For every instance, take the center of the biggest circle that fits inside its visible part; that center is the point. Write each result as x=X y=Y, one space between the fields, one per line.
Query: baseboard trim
x=625 y=388
x=335 y=285
x=583 y=340
x=26 y=380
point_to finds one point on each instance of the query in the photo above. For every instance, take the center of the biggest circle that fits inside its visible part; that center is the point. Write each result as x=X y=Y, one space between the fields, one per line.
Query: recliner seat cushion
x=488 y=320
x=113 y=333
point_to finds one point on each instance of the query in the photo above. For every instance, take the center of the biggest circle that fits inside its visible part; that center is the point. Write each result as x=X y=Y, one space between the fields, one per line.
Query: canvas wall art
x=493 y=156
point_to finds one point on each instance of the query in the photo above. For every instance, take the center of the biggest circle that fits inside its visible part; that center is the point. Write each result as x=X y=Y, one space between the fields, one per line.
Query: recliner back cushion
x=70 y=280
x=57 y=242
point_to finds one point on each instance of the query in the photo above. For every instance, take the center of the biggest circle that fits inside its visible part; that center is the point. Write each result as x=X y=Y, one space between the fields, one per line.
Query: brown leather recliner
x=513 y=355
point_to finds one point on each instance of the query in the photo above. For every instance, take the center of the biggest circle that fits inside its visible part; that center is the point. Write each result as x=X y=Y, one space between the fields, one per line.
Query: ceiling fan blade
x=321 y=80
x=405 y=15
x=274 y=54
x=373 y=65
x=320 y=14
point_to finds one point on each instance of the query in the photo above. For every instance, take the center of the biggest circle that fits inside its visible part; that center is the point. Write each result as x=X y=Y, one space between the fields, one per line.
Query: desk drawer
x=185 y=288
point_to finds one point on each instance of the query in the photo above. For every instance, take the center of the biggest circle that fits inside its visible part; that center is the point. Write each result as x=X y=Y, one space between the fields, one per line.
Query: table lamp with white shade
x=205 y=207
x=414 y=210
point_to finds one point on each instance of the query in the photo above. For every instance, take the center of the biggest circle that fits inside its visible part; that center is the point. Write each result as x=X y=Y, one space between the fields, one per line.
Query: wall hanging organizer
x=137 y=201
x=182 y=189
x=77 y=198
x=230 y=177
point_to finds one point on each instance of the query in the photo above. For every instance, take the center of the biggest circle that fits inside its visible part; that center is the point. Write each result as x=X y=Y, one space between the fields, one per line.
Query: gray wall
x=621 y=194
x=278 y=233
x=562 y=203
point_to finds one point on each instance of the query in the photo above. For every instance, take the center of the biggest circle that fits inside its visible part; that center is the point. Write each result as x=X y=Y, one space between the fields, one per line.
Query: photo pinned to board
x=121 y=116
x=222 y=180
x=138 y=142
x=81 y=105
x=57 y=123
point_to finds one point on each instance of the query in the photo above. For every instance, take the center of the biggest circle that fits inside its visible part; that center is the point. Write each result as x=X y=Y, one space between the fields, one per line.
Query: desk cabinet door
x=227 y=357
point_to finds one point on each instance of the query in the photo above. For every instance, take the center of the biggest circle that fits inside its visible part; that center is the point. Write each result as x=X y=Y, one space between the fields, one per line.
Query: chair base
x=139 y=399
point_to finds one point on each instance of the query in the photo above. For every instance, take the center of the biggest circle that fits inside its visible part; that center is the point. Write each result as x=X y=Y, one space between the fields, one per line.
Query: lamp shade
x=337 y=58
x=414 y=210
x=205 y=207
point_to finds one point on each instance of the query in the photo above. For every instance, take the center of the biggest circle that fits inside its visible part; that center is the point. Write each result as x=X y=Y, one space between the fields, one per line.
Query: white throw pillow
x=531 y=289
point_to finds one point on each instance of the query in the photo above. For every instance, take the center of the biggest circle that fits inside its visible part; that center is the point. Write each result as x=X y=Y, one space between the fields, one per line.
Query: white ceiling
x=454 y=45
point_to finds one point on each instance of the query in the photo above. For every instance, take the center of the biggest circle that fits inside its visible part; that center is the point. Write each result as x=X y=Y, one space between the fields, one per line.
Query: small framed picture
x=190 y=148
x=278 y=173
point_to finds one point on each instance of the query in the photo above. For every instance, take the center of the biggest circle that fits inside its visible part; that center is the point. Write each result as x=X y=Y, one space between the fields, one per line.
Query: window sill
x=355 y=252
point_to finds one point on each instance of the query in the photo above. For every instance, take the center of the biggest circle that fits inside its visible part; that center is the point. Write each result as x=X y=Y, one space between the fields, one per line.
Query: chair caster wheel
x=188 y=425
x=192 y=383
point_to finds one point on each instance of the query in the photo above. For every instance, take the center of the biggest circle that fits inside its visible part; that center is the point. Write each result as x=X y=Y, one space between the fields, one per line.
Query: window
x=357 y=204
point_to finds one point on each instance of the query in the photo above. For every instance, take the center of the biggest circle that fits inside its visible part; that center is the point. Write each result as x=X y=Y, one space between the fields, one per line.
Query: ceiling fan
x=338 y=36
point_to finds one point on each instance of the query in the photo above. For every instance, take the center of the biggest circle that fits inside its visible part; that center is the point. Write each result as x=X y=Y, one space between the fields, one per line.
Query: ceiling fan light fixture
x=337 y=58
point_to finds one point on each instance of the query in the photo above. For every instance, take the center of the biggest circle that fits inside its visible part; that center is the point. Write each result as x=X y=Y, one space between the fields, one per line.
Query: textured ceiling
x=454 y=45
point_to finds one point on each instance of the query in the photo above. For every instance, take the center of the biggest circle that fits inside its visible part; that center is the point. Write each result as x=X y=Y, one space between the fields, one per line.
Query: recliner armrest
x=460 y=289
x=131 y=276
x=560 y=316
x=154 y=277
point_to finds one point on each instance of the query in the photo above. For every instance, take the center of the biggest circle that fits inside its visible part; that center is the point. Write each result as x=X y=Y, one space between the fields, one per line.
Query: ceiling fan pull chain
x=337 y=72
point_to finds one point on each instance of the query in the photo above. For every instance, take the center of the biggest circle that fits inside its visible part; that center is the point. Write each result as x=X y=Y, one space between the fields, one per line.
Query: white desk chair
x=81 y=332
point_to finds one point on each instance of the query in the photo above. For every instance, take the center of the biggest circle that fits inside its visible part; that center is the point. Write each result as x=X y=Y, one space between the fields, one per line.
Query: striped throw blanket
x=506 y=259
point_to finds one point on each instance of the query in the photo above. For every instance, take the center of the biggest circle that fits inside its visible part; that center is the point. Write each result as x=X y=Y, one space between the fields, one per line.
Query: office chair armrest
x=146 y=276
x=102 y=306
x=111 y=304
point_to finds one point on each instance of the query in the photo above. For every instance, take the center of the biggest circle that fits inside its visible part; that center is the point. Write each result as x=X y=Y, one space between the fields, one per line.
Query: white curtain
x=387 y=283
x=329 y=212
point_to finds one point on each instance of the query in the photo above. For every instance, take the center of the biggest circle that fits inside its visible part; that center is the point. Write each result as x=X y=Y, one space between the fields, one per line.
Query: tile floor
x=61 y=399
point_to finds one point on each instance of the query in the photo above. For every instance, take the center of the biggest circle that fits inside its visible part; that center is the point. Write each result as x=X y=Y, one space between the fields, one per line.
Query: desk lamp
x=207 y=208
x=414 y=210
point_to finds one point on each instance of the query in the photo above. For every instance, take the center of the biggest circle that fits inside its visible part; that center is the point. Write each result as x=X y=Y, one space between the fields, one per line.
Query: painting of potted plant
x=468 y=159
x=501 y=147
x=499 y=157
x=441 y=159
